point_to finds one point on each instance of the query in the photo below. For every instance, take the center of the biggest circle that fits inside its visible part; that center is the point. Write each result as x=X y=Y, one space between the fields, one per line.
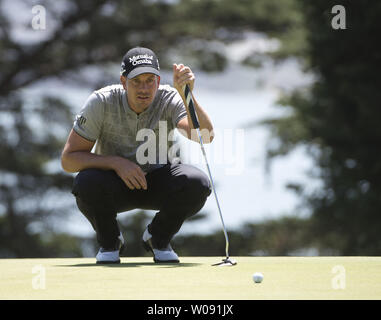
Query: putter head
x=226 y=262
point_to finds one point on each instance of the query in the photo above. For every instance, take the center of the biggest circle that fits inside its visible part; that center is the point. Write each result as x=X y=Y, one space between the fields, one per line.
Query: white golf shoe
x=160 y=255
x=105 y=256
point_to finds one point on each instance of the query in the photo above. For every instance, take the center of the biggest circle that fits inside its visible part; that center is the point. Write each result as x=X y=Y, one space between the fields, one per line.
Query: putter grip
x=192 y=111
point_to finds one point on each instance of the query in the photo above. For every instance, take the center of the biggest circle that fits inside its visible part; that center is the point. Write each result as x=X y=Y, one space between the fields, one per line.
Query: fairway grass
x=285 y=278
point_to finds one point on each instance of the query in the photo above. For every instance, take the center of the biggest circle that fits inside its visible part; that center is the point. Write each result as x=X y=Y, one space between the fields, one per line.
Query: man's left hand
x=182 y=75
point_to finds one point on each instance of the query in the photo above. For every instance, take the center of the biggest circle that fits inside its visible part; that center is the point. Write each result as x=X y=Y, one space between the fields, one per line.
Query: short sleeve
x=178 y=110
x=88 y=123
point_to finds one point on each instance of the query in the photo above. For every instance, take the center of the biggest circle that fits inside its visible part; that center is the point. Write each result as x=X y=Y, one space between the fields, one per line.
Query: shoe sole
x=108 y=262
x=166 y=261
x=149 y=249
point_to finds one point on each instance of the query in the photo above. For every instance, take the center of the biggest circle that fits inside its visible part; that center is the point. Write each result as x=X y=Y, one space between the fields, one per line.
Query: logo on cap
x=141 y=59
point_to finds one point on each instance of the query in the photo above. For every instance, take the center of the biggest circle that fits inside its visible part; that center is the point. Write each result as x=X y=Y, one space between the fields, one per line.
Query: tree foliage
x=337 y=120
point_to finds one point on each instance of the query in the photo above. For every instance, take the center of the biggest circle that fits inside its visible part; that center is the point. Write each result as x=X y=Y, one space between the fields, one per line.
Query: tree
x=337 y=120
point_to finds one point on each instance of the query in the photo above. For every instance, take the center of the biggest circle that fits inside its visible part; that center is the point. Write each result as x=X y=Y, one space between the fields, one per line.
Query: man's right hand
x=132 y=175
x=77 y=156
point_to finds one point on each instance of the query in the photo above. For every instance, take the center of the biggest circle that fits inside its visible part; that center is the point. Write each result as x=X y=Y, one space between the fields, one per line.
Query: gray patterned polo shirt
x=145 y=139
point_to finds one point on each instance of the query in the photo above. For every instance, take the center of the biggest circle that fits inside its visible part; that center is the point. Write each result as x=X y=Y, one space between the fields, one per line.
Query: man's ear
x=158 y=81
x=123 y=80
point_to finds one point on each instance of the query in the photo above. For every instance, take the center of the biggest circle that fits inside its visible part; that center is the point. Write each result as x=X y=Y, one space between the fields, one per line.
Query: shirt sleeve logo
x=81 y=120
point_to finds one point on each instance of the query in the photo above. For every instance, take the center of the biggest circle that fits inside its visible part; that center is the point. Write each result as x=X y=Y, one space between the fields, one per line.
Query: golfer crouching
x=127 y=169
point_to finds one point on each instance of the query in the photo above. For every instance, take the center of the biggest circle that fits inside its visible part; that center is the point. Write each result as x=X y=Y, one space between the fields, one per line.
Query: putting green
x=193 y=279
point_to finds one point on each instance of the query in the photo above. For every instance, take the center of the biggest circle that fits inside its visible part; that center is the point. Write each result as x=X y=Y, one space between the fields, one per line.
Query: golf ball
x=257 y=277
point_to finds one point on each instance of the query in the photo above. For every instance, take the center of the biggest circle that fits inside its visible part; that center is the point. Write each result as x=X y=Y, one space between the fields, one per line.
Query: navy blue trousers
x=177 y=191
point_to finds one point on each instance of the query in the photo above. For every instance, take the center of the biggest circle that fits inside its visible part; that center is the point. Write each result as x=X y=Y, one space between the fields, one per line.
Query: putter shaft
x=214 y=192
x=196 y=125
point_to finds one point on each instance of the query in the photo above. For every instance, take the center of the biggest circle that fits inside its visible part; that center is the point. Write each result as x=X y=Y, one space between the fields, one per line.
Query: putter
x=189 y=101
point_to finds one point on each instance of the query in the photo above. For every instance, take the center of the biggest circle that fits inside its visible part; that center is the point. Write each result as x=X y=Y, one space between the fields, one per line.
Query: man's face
x=141 y=90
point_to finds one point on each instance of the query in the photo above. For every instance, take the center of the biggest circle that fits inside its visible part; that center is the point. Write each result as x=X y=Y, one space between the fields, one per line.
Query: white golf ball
x=257 y=277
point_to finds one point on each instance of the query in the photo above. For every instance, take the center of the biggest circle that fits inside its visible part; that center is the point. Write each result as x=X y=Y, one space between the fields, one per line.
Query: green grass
x=193 y=279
